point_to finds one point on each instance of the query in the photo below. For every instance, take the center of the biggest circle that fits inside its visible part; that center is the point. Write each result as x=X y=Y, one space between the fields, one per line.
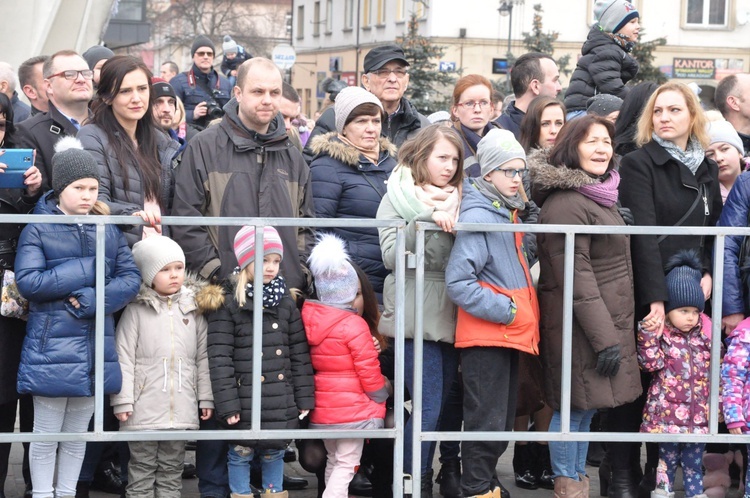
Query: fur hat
x=349 y=99
x=95 y=54
x=723 y=131
x=229 y=46
x=612 y=15
x=154 y=253
x=497 y=148
x=684 y=273
x=603 y=104
x=201 y=41
x=71 y=163
x=244 y=244
x=336 y=280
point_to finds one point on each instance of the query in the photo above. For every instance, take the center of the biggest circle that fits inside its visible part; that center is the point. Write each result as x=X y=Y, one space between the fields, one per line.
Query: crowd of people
x=112 y=138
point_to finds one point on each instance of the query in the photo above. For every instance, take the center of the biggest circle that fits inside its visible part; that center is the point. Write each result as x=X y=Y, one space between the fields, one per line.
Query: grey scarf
x=488 y=190
x=692 y=157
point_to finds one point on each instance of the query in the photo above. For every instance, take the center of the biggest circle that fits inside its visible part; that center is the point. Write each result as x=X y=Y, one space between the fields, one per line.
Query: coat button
x=262 y=378
x=278 y=352
x=281 y=376
x=275 y=326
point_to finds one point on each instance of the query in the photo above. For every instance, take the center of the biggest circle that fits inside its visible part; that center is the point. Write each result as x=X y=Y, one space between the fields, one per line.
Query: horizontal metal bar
x=585 y=436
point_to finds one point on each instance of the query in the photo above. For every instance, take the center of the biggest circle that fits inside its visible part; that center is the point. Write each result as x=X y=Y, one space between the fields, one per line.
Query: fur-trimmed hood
x=195 y=294
x=330 y=145
x=546 y=178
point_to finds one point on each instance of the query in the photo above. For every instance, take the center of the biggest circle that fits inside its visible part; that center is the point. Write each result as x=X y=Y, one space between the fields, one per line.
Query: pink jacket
x=349 y=387
x=679 y=393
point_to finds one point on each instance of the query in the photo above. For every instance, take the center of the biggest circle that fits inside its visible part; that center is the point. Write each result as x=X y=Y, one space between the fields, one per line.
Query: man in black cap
x=386 y=75
x=203 y=91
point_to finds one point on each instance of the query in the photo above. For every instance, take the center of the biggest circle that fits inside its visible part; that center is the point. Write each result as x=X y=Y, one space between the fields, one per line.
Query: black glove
x=627 y=216
x=608 y=361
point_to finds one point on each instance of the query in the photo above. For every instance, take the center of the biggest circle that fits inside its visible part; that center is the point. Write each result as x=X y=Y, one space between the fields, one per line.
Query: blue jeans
x=239 y=459
x=569 y=457
x=439 y=368
x=211 y=464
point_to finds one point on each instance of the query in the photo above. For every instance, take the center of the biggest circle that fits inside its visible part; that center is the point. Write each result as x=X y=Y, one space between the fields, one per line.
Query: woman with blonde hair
x=667 y=181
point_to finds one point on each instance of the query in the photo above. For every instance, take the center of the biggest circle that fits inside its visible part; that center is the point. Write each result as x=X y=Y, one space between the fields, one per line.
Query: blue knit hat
x=684 y=273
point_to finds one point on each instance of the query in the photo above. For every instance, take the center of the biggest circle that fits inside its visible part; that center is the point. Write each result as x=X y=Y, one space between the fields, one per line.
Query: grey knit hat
x=612 y=15
x=95 y=54
x=201 y=41
x=349 y=99
x=603 y=104
x=71 y=163
x=497 y=148
x=336 y=280
x=154 y=253
x=684 y=272
x=723 y=131
x=229 y=46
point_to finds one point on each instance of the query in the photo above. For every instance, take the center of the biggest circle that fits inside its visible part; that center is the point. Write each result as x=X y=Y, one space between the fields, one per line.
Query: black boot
x=542 y=466
x=622 y=485
x=360 y=485
x=605 y=475
x=648 y=483
x=449 y=479
x=522 y=463
x=427 y=484
x=294 y=483
x=82 y=489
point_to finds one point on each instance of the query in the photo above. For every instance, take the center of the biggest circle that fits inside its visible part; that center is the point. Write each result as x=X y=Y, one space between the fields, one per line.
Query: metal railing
x=396 y=433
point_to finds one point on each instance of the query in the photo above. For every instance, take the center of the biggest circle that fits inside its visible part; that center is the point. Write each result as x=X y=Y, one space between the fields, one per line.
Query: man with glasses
x=203 y=91
x=68 y=84
x=532 y=75
x=386 y=75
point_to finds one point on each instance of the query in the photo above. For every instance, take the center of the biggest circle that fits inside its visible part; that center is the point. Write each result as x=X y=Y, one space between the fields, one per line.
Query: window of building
x=366 y=20
x=707 y=13
x=348 y=14
x=419 y=9
x=131 y=10
x=329 y=16
x=316 y=19
x=399 y=10
x=300 y=21
x=381 y=12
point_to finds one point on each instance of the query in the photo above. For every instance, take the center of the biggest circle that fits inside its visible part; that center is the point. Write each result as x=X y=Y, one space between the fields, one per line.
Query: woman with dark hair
x=576 y=184
x=13 y=330
x=133 y=154
x=349 y=176
x=543 y=121
x=630 y=111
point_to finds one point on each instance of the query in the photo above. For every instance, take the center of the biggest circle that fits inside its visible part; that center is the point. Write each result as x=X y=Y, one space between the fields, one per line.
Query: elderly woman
x=576 y=184
x=667 y=182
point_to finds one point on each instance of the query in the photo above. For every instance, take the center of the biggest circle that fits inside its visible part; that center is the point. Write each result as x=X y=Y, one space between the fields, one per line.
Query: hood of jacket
x=245 y=139
x=195 y=294
x=321 y=319
x=330 y=145
x=474 y=199
x=547 y=178
x=597 y=38
x=47 y=204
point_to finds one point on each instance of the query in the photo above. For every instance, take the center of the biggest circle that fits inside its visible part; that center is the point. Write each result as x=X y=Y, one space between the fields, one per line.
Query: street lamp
x=506 y=9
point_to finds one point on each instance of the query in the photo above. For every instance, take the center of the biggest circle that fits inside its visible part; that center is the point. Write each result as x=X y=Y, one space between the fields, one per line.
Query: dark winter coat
x=54 y=263
x=345 y=184
x=192 y=95
x=397 y=127
x=12 y=330
x=227 y=170
x=511 y=119
x=41 y=132
x=112 y=191
x=659 y=190
x=602 y=292
x=735 y=214
x=604 y=67
x=229 y=65
x=286 y=373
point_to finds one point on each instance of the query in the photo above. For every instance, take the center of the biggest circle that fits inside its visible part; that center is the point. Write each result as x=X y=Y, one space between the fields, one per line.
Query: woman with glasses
x=12 y=330
x=133 y=154
x=471 y=112
x=575 y=183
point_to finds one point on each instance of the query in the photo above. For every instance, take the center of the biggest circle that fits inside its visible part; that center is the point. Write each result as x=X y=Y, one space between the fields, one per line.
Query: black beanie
x=201 y=41
x=95 y=54
x=684 y=273
x=71 y=163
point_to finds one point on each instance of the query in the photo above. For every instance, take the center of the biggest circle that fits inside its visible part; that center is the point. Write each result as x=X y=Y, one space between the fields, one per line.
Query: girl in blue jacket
x=56 y=272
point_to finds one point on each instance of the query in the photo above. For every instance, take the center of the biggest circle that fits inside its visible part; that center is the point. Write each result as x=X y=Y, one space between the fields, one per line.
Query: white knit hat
x=336 y=280
x=723 y=131
x=349 y=99
x=154 y=253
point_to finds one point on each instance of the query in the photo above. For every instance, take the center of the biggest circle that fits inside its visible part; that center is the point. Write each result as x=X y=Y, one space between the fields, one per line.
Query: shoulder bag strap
x=690 y=210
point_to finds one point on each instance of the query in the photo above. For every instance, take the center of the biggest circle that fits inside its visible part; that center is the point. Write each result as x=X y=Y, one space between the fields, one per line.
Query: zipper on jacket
x=171 y=363
x=705 y=200
x=261 y=155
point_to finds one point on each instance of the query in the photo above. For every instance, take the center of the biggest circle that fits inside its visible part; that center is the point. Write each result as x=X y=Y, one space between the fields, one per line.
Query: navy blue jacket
x=193 y=95
x=54 y=263
x=734 y=214
x=347 y=185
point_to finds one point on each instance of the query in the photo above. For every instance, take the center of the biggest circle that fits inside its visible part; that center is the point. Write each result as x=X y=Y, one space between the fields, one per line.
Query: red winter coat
x=348 y=384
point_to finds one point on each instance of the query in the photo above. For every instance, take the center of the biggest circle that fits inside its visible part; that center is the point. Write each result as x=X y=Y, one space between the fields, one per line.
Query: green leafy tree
x=644 y=54
x=429 y=88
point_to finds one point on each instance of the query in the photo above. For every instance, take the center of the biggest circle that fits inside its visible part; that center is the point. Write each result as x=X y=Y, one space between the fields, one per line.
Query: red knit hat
x=244 y=244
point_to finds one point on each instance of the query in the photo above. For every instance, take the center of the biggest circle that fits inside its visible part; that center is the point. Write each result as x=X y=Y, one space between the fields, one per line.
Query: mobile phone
x=18 y=161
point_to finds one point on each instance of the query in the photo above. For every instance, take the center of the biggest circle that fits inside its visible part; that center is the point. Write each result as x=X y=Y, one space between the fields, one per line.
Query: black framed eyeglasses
x=469 y=105
x=510 y=172
x=72 y=74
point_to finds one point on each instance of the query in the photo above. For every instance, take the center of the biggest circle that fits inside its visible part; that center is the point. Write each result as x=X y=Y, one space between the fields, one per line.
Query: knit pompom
x=689 y=258
x=67 y=143
x=336 y=280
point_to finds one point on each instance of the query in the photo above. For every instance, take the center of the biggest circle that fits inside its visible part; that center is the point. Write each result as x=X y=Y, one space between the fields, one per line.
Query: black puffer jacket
x=604 y=67
x=286 y=374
